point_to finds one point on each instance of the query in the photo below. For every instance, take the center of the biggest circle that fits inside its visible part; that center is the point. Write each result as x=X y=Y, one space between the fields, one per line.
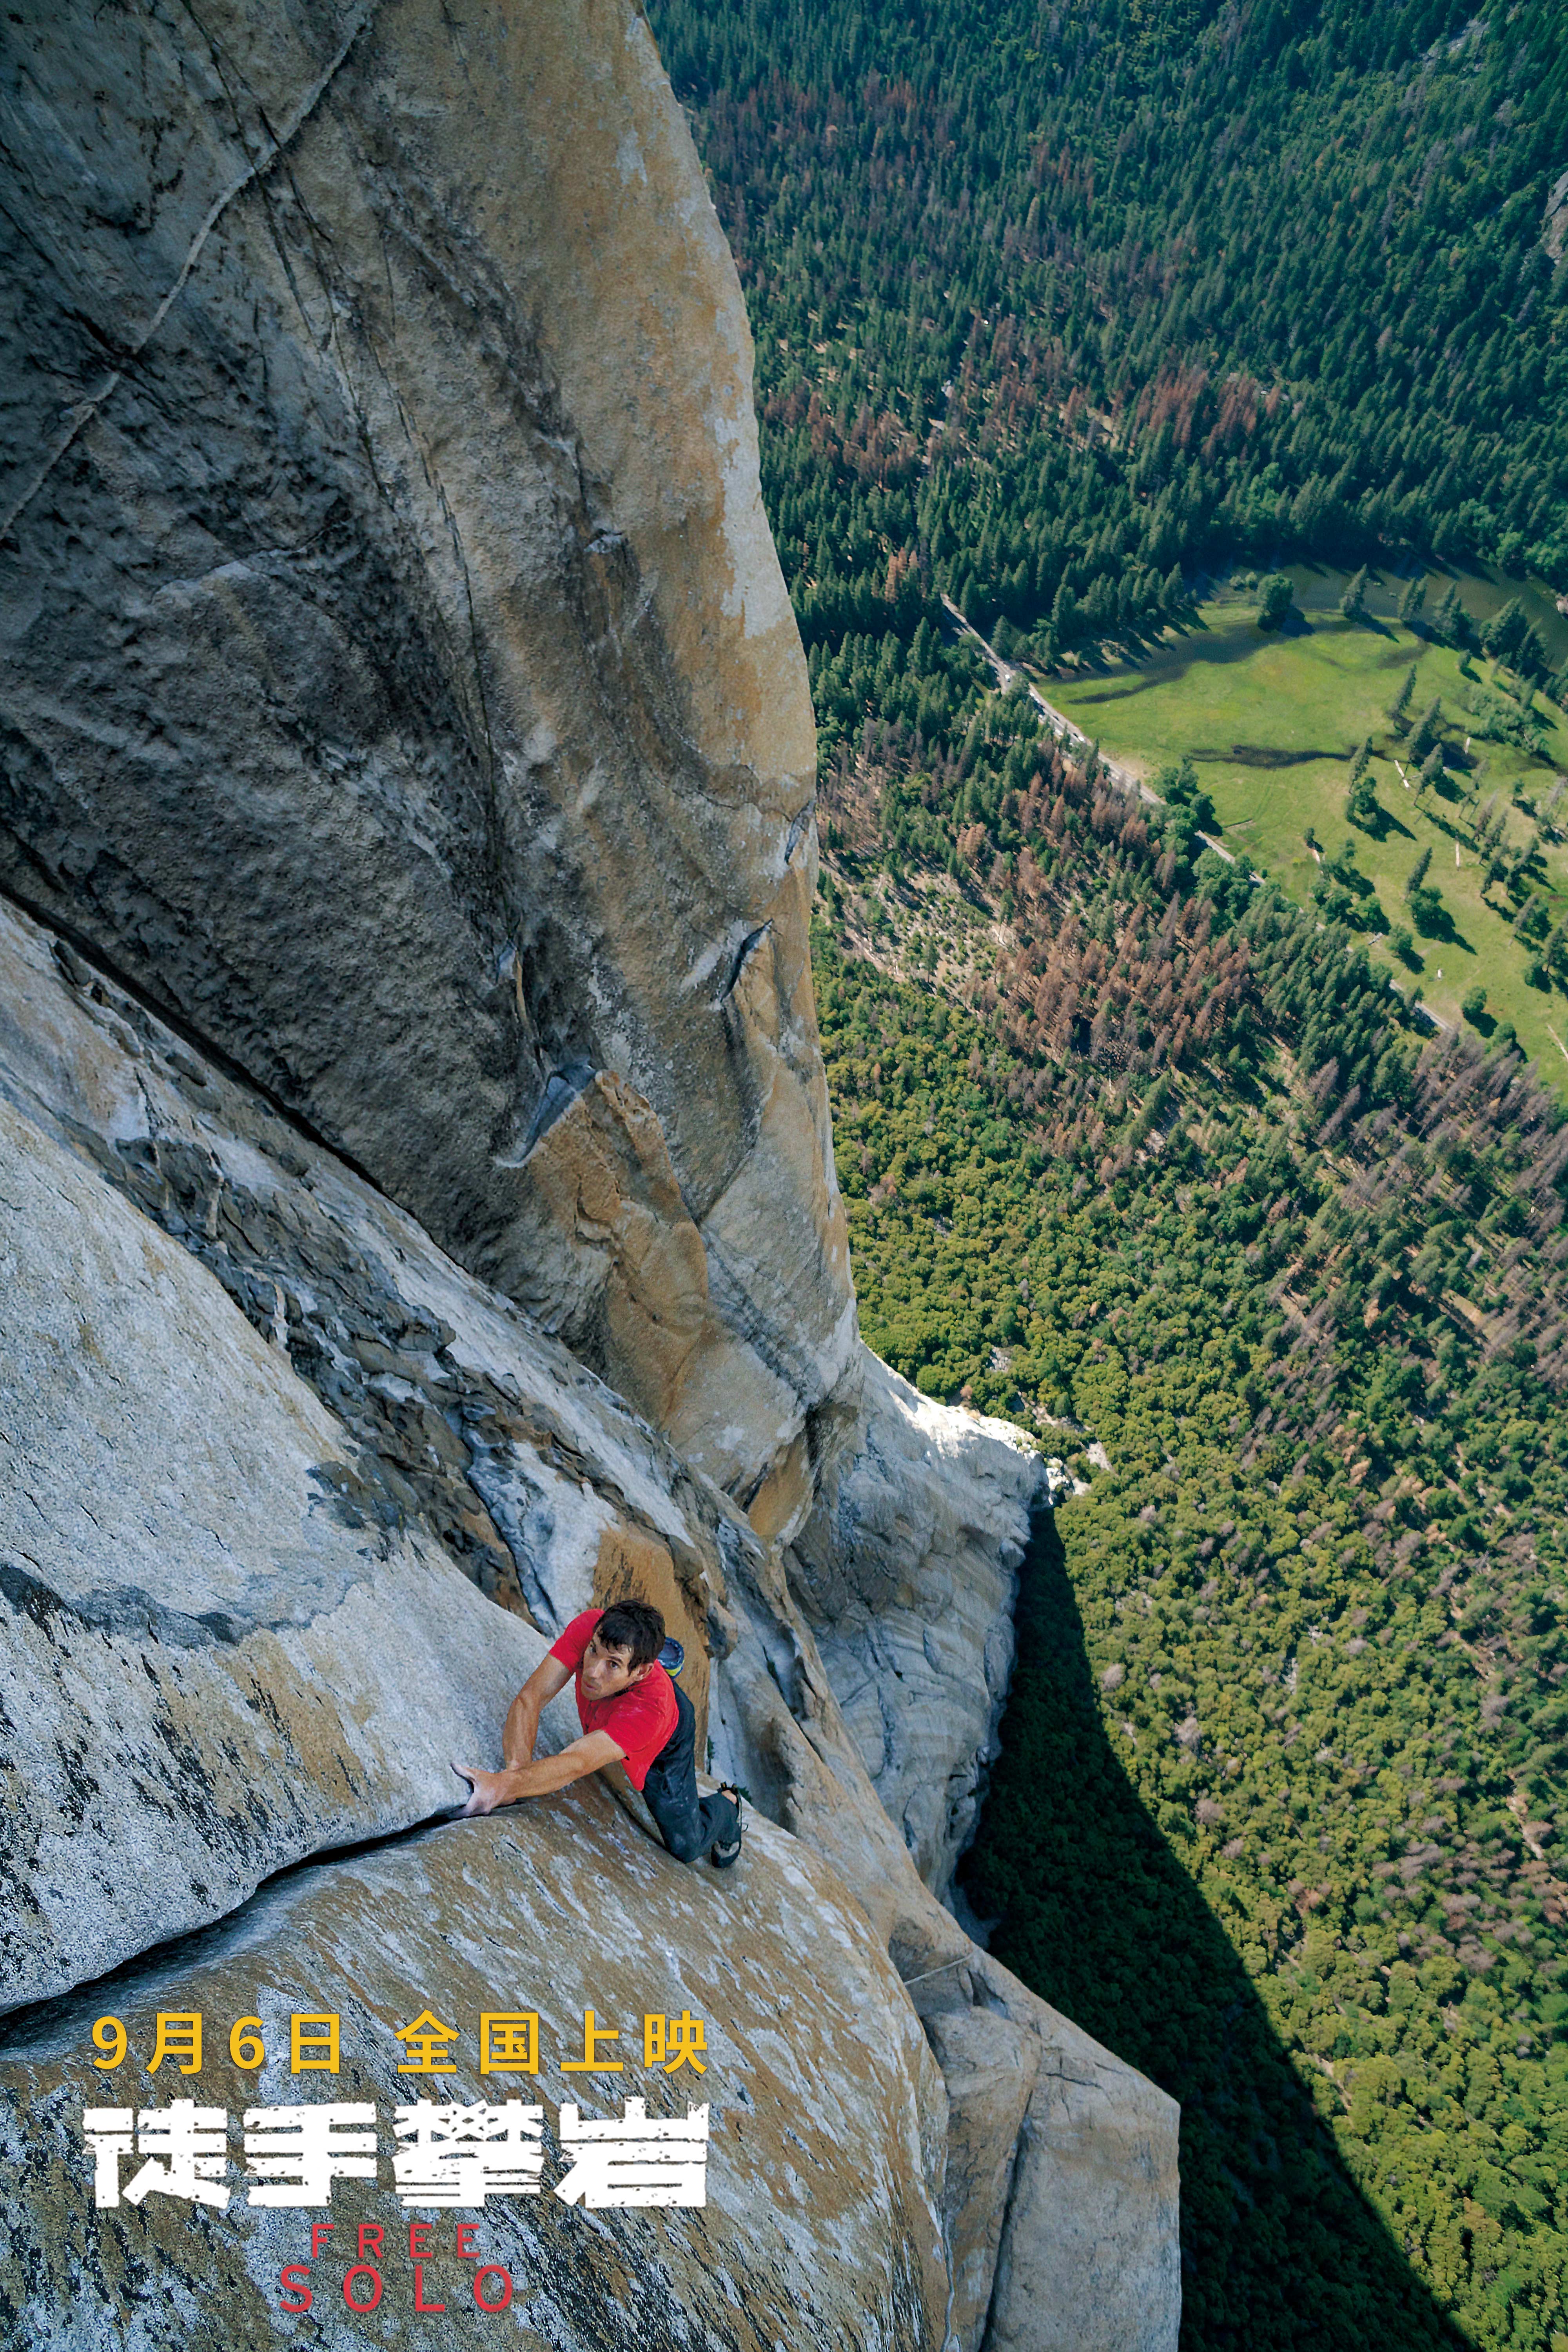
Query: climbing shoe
x=727 y=1853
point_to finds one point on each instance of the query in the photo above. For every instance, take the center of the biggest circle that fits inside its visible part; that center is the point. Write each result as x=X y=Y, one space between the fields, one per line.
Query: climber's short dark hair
x=634 y=1625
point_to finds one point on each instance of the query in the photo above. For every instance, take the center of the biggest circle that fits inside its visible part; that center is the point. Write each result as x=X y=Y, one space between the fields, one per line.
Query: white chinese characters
x=297 y=2153
x=186 y=2148
x=460 y=2156
x=642 y=2160
x=448 y=2155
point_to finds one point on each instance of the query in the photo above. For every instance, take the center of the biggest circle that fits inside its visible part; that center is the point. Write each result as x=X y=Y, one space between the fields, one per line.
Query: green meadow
x=1272 y=722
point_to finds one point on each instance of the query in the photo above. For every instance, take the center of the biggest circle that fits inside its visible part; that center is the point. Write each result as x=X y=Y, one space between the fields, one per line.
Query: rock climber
x=632 y=1713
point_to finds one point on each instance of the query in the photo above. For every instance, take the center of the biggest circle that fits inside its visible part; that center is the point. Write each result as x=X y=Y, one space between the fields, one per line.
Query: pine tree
x=1353 y=603
x=1432 y=767
x=1362 y=762
x=1418 y=873
x=1530 y=656
x=1429 y=729
x=1399 y=708
x=1448 y=620
x=1411 y=602
x=1277 y=595
x=1504 y=631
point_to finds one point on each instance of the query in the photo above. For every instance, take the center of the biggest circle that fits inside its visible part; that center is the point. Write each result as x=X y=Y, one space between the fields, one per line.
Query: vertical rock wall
x=907 y=1571
x=399 y=681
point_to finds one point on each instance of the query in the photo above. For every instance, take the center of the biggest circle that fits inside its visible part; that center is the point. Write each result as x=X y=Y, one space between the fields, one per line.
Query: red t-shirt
x=638 y=1720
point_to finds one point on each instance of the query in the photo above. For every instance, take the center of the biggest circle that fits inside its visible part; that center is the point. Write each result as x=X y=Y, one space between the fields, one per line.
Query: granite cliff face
x=417 y=1203
x=400 y=685
x=906 y=1572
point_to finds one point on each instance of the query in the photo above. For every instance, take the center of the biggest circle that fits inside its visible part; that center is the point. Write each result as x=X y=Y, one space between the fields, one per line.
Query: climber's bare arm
x=519 y=1775
x=589 y=1754
x=519 y=1733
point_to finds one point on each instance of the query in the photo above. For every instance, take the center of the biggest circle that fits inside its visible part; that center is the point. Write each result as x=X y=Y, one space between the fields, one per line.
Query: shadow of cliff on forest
x=1279 y=2249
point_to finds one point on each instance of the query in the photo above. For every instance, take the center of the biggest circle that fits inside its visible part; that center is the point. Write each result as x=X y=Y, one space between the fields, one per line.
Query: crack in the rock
x=32 y=2028
x=59 y=928
x=85 y=411
x=417 y=1421
x=743 y=957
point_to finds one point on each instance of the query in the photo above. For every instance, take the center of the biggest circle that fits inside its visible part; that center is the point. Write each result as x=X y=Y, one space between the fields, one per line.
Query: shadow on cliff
x=1279 y=2247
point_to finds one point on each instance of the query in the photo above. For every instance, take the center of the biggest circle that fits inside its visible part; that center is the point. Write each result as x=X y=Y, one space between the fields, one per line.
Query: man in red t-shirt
x=631 y=1713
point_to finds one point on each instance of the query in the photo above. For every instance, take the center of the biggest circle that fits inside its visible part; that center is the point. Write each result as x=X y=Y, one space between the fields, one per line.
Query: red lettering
x=370 y=2234
x=493 y=2270
x=364 y=2270
x=417 y=2234
x=419 y=2302
x=292 y=2279
x=463 y=2252
x=318 y=2230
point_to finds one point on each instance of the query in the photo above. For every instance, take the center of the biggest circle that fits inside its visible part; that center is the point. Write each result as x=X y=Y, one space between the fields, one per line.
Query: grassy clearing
x=1272 y=724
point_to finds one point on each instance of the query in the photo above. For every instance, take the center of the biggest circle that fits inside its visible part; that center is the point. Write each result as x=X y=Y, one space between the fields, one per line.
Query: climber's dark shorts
x=689 y=1824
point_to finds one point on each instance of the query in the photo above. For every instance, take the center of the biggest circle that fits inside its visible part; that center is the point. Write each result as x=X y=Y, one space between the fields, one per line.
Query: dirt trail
x=1057 y=720
x=1065 y=728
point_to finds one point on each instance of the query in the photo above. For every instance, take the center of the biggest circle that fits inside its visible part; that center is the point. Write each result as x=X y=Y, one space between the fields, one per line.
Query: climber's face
x=607 y=1671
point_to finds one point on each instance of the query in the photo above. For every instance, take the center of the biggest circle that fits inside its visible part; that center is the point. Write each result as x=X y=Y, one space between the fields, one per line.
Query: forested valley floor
x=1286 y=1738
x=1063 y=314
